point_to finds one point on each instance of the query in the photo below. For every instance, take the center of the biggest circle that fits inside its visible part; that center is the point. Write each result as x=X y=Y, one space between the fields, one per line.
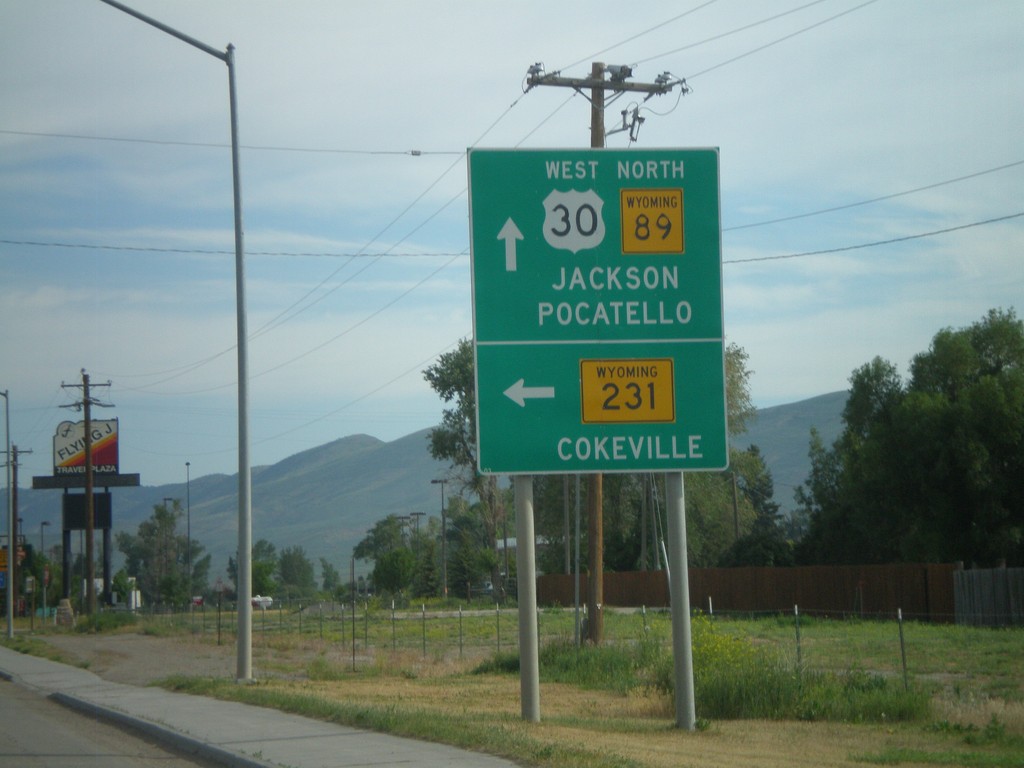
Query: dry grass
x=636 y=729
x=586 y=728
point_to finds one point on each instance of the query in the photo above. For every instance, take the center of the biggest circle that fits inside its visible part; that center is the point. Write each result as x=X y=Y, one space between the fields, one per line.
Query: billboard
x=69 y=448
x=74 y=512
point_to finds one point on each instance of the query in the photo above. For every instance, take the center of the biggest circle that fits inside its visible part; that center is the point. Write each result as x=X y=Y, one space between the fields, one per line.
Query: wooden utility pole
x=13 y=571
x=595 y=482
x=85 y=405
x=598 y=84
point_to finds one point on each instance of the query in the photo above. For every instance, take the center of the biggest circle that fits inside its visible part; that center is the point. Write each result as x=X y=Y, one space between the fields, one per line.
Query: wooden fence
x=921 y=591
x=990 y=597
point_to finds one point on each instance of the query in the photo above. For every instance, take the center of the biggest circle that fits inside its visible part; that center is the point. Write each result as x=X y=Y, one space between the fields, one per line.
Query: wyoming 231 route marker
x=597 y=310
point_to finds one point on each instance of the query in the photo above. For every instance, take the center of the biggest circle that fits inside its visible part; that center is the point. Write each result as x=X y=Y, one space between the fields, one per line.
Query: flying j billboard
x=69 y=448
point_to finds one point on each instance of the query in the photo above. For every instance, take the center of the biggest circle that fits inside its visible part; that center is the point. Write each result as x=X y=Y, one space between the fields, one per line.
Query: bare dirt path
x=137 y=659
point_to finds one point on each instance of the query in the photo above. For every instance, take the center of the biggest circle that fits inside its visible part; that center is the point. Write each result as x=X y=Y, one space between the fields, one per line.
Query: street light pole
x=243 y=670
x=444 y=542
x=188 y=530
x=42 y=573
x=10 y=517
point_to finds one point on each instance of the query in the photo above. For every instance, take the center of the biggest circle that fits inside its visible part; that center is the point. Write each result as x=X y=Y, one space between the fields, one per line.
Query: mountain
x=783 y=433
x=326 y=498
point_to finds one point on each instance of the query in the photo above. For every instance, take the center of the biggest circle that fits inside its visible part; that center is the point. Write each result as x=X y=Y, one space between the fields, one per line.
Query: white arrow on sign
x=519 y=392
x=510 y=233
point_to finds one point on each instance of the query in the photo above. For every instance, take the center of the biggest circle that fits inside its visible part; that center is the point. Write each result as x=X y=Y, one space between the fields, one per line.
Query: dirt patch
x=137 y=659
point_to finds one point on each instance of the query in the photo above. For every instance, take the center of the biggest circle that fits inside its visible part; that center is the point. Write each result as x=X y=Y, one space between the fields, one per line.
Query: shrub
x=614 y=667
x=734 y=679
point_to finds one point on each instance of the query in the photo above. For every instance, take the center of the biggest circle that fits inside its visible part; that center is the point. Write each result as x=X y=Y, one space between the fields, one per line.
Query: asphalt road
x=36 y=732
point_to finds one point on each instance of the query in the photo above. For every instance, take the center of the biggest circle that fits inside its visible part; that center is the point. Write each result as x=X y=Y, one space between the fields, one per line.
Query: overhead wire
x=731 y=32
x=284 y=316
x=220 y=145
x=379 y=310
x=881 y=198
x=225 y=251
x=448 y=254
x=782 y=39
x=656 y=27
x=876 y=243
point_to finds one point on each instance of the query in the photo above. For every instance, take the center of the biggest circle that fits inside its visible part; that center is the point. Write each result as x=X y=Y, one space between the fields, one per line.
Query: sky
x=871 y=179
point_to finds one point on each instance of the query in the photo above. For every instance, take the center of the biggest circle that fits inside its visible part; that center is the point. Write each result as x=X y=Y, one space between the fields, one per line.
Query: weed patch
x=111 y=621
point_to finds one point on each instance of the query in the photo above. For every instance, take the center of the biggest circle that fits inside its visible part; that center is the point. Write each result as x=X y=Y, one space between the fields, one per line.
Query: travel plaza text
x=615 y=312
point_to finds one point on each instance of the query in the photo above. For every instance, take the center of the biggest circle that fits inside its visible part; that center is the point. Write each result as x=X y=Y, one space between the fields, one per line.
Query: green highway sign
x=597 y=310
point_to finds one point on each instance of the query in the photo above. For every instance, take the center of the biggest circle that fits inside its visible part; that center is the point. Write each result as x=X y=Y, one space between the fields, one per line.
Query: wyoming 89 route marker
x=597 y=310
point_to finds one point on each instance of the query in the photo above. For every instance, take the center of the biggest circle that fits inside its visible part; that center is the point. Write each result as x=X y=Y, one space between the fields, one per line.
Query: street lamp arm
x=223 y=56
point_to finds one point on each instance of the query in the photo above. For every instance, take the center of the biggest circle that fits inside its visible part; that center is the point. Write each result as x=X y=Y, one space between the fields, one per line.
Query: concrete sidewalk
x=234 y=734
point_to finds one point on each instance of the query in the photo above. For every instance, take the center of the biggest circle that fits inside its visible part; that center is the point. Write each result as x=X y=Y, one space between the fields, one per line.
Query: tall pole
x=188 y=530
x=244 y=666
x=598 y=85
x=86 y=405
x=679 y=593
x=595 y=482
x=10 y=515
x=90 y=509
x=444 y=541
x=12 y=459
x=526 y=581
x=243 y=669
x=42 y=552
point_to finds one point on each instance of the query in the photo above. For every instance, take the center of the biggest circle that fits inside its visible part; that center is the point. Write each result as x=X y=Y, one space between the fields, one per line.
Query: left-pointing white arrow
x=510 y=233
x=519 y=392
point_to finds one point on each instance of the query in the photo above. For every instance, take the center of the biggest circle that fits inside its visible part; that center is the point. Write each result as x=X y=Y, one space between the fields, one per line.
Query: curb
x=169 y=737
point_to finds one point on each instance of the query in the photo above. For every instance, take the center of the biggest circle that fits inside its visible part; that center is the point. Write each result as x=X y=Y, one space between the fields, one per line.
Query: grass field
x=440 y=676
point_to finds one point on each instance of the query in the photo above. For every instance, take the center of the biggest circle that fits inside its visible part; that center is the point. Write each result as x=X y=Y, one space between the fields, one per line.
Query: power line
x=873 y=199
x=647 y=31
x=224 y=252
x=731 y=32
x=449 y=254
x=877 y=242
x=215 y=145
x=782 y=39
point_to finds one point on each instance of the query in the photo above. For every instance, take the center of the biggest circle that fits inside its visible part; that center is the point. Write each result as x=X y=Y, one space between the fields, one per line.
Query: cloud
x=888 y=98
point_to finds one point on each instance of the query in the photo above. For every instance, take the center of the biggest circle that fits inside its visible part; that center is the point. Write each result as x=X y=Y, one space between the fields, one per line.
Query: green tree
x=426 y=577
x=452 y=378
x=765 y=543
x=330 y=578
x=931 y=469
x=155 y=556
x=455 y=439
x=471 y=559
x=121 y=584
x=295 y=571
x=392 y=571
x=263 y=565
x=386 y=536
